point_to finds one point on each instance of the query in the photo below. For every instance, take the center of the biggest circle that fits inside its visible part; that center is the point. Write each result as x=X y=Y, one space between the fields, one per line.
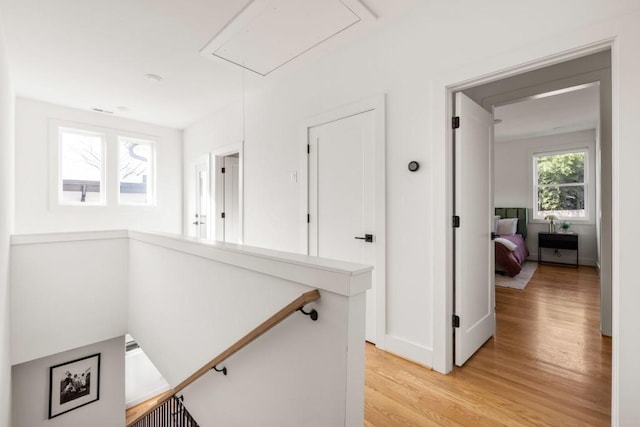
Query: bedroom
x=556 y=118
x=541 y=115
x=530 y=137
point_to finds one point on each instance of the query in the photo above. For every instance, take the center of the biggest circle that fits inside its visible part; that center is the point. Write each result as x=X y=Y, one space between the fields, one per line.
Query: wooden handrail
x=272 y=321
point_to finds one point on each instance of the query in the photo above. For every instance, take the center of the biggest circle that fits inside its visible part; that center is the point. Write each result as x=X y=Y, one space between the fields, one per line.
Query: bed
x=510 y=246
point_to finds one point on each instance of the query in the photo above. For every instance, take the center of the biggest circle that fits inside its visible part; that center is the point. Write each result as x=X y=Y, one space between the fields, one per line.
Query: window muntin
x=81 y=176
x=560 y=187
x=136 y=184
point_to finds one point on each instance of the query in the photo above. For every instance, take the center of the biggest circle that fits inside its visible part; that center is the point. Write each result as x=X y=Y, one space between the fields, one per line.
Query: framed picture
x=74 y=384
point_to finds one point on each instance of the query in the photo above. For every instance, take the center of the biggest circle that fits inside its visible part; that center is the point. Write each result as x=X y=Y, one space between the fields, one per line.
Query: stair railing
x=295 y=305
x=171 y=413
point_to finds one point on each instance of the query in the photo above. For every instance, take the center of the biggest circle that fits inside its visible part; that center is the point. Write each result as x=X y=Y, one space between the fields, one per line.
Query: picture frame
x=74 y=384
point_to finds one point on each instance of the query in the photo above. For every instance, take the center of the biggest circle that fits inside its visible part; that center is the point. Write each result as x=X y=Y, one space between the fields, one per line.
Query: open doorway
x=573 y=81
x=199 y=225
x=215 y=196
x=568 y=94
x=228 y=191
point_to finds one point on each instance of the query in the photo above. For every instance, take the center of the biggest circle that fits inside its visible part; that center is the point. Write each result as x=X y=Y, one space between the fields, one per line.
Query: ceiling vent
x=100 y=110
x=267 y=34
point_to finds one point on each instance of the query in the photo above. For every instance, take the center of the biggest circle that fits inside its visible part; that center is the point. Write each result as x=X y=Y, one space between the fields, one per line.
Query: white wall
x=514 y=188
x=31 y=389
x=291 y=376
x=67 y=294
x=33 y=213
x=6 y=227
x=402 y=60
x=626 y=152
x=413 y=62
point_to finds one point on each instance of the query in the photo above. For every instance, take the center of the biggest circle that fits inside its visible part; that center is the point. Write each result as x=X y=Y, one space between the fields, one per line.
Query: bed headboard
x=521 y=213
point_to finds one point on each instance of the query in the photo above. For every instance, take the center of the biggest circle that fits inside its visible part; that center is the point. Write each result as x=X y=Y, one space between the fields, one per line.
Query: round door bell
x=414 y=166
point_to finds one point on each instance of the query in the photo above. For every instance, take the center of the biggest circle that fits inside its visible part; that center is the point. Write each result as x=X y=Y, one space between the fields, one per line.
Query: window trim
x=586 y=182
x=56 y=172
x=109 y=167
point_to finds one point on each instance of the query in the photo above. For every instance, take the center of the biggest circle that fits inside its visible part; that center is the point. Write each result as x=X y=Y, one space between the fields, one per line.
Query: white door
x=231 y=199
x=474 y=253
x=200 y=223
x=342 y=196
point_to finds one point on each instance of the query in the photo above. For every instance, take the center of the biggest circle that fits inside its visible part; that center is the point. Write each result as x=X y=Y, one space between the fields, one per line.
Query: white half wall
x=67 y=294
x=186 y=302
x=514 y=188
x=205 y=297
x=31 y=389
x=33 y=213
x=291 y=376
x=7 y=100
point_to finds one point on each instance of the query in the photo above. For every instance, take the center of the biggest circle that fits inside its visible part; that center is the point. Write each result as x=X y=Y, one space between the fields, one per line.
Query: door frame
x=378 y=105
x=217 y=188
x=551 y=52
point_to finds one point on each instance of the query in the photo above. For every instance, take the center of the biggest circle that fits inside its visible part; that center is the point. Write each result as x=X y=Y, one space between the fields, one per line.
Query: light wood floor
x=548 y=365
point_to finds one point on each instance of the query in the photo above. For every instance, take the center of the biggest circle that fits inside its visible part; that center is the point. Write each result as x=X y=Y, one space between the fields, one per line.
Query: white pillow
x=495 y=223
x=507 y=226
x=507 y=243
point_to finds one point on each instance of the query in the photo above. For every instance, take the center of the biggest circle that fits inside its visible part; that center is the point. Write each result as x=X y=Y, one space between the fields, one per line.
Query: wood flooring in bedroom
x=547 y=365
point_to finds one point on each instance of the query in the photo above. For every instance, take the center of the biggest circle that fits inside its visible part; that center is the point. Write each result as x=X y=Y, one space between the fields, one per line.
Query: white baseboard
x=409 y=350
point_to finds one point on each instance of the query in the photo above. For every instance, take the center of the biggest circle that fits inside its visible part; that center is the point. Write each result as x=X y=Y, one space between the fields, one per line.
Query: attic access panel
x=267 y=34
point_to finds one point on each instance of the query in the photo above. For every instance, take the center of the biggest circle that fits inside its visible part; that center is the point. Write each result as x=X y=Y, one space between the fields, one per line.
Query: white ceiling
x=561 y=113
x=95 y=53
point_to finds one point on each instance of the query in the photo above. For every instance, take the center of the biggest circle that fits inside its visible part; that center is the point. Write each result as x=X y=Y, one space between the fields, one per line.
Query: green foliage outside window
x=561 y=182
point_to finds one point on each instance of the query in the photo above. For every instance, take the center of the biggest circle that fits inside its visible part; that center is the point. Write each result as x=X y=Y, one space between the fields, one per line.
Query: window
x=97 y=166
x=560 y=184
x=81 y=176
x=135 y=171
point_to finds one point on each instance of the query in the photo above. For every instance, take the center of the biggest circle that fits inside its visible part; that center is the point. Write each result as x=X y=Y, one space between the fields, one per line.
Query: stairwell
x=186 y=301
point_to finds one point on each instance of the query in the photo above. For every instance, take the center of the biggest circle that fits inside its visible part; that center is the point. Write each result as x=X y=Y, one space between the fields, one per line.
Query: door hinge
x=455 y=122
x=308 y=218
x=222 y=215
x=223 y=170
x=308 y=148
x=456 y=321
x=456 y=221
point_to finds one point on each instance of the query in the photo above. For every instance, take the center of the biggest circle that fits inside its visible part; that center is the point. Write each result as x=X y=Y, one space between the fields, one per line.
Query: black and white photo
x=74 y=384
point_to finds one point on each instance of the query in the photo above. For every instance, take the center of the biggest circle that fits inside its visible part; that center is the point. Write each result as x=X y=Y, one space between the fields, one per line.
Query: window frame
x=110 y=164
x=151 y=185
x=586 y=182
x=59 y=182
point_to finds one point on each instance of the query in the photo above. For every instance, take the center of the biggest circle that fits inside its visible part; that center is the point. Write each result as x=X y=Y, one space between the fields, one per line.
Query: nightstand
x=557 y=241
